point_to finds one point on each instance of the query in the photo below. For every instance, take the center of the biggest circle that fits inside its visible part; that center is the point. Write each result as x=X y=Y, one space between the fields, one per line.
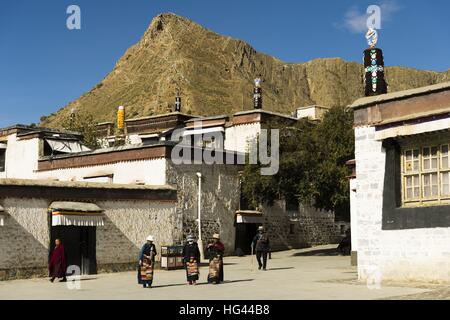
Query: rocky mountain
x=215 y=75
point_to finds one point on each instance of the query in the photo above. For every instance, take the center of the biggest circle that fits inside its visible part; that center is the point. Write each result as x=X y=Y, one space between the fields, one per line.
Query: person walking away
x=191 y=256
x=215 y=252
x=345 y=246
x=147 y=263
x=261 y=245
x=58 y=262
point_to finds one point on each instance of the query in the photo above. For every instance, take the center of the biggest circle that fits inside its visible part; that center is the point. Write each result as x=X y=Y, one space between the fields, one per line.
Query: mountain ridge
x=215 y=73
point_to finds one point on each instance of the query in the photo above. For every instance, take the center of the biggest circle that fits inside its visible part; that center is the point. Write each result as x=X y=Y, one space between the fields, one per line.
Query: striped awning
x=82 y=214
x=249 y=216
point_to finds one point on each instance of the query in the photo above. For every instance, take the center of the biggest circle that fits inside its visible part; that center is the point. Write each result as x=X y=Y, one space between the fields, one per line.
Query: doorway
x=245 y=232
x=80 y=246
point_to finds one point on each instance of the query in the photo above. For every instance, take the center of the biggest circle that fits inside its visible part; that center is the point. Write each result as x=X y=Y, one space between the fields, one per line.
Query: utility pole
x=199 y=217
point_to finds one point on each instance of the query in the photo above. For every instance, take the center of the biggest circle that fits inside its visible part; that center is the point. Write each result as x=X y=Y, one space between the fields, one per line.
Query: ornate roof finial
x=374 y=80
x=178 y=101
x=372 y=38
x=257 y=93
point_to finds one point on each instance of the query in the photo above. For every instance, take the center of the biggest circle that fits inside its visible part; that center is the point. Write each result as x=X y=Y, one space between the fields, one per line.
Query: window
x=2 y=160
x=426 y=175
x=100 y=179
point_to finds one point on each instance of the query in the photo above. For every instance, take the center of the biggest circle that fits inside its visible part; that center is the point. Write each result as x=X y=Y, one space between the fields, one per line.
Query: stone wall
x=25 y=236
x=305 y=228
x=220 y=200
x=409 y=254
x=127 y=225
x=24 y=239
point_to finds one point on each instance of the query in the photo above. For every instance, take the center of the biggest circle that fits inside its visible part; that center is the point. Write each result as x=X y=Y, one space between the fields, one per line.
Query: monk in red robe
x=58 y=262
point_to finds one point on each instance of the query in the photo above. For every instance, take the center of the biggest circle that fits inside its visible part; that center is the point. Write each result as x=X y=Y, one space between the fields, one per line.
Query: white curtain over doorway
x=80 y=214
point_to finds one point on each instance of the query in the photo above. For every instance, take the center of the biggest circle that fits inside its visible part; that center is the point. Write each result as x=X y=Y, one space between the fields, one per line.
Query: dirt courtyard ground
x=314 y=273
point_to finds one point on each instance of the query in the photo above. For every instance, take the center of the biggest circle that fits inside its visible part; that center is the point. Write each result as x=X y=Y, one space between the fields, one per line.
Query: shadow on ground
x=202 y=283
x=318 y=252
x=276 y=269
x=206 y=264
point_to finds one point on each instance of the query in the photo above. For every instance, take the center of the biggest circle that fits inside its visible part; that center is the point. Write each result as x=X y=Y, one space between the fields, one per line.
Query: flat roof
x=223 y=116
x=399 y=95
x=110 y=150
x=81 y=185
x=313 y=106
x=33 y=129
x=162 y=116
x=240 y=113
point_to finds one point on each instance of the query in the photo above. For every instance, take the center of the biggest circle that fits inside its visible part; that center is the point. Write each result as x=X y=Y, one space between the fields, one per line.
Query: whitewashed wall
x=21 y=158
x=416 y=254
x=237 y=137
x=151 y=172
x=353 y=215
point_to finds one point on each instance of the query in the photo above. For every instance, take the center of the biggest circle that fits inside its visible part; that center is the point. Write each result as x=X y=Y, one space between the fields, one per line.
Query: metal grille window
x=426 y=175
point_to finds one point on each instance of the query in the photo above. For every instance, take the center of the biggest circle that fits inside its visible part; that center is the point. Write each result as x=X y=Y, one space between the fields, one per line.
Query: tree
x=85 y=125
x=335 y=145
x=312 y=165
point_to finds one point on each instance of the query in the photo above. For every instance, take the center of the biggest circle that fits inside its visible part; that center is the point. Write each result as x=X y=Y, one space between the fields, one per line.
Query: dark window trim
x=2 y=160
x=396 y=217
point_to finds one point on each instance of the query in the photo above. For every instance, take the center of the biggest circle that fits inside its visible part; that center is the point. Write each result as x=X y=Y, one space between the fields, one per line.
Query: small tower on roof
x=178 y=102
x=257 y=94
x=374 y=80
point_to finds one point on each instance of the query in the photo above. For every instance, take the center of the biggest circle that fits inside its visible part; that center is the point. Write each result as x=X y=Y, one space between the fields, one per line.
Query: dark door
x=79 y=243
x=87 y=250
x=245 y=232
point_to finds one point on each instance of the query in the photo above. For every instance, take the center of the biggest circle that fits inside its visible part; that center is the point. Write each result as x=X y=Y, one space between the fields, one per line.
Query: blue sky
x=44 y=65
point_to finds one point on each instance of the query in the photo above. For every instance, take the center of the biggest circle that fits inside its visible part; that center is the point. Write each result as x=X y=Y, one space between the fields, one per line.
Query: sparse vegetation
x=312 y=166
x=84 y=124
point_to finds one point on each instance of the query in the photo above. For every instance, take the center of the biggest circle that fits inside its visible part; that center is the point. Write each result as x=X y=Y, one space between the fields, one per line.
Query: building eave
x=399 y=95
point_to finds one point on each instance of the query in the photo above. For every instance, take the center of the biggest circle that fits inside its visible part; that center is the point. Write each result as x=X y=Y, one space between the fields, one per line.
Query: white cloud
x=355 y=19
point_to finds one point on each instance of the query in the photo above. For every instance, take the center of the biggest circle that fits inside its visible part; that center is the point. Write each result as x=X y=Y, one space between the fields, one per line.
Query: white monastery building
x=400 y=203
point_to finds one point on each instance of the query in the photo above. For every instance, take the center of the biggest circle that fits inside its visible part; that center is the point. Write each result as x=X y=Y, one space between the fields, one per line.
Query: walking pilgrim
x=215 y=251
x=261 y=245
x=147 y=263
x=191 y=256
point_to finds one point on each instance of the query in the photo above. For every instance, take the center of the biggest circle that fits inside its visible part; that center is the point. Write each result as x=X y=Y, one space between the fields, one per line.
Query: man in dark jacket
x=345 y=246
x=261 y=245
